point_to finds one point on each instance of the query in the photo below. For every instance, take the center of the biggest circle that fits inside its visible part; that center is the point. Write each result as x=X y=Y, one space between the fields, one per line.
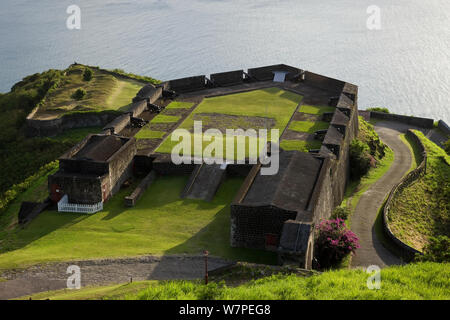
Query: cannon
x=154 y=108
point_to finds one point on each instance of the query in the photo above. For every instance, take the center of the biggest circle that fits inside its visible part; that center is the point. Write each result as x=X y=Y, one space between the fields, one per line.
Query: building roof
x=291 y=187
x=99 y=148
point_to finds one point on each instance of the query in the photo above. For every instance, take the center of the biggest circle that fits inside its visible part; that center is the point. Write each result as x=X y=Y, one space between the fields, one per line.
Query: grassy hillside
x=156 y=225
x=104 y=91
x=423 y=209
x=414 y=281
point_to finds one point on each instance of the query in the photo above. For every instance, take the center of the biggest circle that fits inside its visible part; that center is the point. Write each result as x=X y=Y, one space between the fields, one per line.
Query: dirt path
x=372 y=252
x=106 y=271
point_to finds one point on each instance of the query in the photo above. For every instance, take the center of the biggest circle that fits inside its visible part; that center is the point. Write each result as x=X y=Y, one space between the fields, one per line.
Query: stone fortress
x=274 y=212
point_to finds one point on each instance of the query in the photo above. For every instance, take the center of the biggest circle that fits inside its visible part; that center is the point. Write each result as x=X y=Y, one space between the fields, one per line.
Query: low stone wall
x=322 y=82
x=169 y=168
x=187 y=84
x=266 y=73
x=406 y=251
x=130 y=201
x=228 y=78
x=30 y=210
x=413 y=121
x=444 y=127
x=47 y=128
x=118 y=124
x=138 y=107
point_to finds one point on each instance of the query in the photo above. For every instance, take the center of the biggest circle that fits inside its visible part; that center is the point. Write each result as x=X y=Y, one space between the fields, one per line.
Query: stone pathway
x=41 y=278
x=372 y=252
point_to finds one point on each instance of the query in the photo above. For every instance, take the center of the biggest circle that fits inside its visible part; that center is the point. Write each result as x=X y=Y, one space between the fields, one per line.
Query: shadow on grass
x=215 y=237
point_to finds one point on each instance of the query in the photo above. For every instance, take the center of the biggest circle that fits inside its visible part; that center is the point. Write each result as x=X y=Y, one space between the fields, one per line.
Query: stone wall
x=118 y=124
x=405 y=251
x=47 y=128
x=412 y=121
x=228 y=78
x=187 y=84
x=322 y=82
x=169 y=168
x=121 y=166
x=444 y=127
x=250 y=226
x=266 y=73
x=80 y=189
x=130 y=201
x=137 y=108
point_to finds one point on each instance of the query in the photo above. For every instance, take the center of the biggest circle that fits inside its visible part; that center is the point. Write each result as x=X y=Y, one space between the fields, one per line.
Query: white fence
x=65 y=206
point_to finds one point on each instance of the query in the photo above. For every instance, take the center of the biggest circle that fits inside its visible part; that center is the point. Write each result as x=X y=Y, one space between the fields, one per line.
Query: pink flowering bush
x=333 y=242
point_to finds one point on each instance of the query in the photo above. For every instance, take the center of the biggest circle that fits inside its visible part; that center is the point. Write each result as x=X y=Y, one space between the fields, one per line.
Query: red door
x=55 y=193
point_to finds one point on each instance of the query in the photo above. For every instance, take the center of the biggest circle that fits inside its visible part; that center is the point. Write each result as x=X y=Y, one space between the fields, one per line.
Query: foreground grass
x=422 y=209
x=413 y=281
x=156 y=225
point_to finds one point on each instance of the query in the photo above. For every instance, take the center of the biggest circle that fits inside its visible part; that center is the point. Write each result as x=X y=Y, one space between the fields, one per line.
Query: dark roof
x=290 y=188
x=100 y=148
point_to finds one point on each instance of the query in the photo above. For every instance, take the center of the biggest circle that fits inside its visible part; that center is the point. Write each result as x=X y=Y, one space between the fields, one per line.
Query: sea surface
x=404 y=66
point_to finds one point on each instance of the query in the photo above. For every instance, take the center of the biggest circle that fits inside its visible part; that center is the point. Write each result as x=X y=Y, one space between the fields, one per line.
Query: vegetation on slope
x=422 y=210
x=22 y=157
x=372 y=149
x=413 y=281
x=75 y=93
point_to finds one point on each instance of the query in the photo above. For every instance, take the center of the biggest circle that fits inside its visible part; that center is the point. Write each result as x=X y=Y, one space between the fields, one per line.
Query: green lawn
x=179 y=105
x=423 y=281
x=318 y=110
x=146 y=133
x=161 y=223
x=271 y=103
x=162 y=118
x=299 y=145
x=308 y=126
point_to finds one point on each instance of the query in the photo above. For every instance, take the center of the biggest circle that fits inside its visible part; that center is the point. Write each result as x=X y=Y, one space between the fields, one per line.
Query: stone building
x=92 y=171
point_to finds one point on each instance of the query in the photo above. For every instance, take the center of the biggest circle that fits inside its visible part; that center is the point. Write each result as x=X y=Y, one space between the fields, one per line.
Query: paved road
x=372 y=252
x=105 y=271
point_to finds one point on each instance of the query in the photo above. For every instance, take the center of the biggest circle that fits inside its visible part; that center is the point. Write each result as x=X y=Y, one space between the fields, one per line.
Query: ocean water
x=405 y=66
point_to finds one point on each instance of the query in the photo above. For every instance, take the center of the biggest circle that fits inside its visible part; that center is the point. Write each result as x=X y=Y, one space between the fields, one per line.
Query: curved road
x=372 y=252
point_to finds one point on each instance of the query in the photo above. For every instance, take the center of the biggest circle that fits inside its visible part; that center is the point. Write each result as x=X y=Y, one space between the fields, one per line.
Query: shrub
x=333 y=242
x=340 y=213
x=360 y=159
x=79 y=94
x=87 y=75
x=379 y=109
x=437 y=250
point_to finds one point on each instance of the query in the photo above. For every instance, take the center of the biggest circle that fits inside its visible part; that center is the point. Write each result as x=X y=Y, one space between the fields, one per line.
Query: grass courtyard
x=156 y=225
x=258 y=109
